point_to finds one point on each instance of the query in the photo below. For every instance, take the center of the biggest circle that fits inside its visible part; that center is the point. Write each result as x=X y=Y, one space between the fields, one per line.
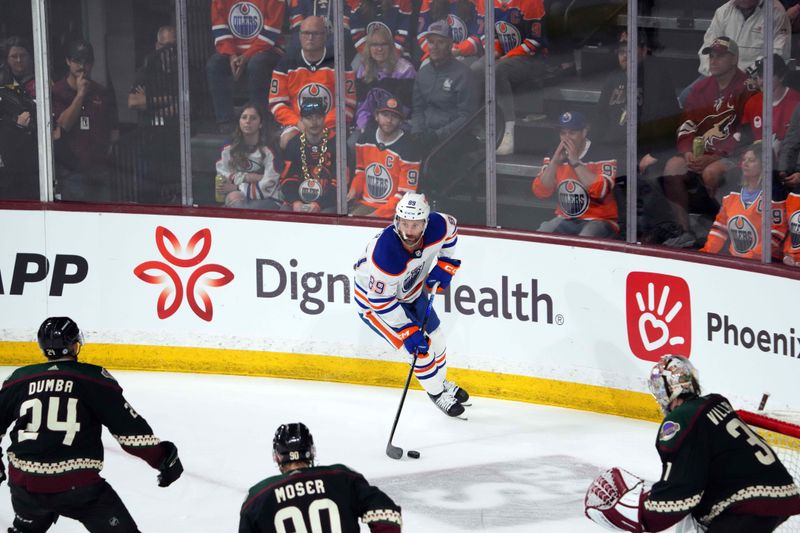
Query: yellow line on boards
x=345 y=370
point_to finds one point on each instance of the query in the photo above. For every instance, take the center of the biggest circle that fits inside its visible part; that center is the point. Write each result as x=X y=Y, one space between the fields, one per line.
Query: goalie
x=715 y=469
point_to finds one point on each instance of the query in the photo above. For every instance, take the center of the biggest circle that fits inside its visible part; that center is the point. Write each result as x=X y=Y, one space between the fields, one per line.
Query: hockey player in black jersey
x=304 y=497
x=58 y=409
x=715 y=469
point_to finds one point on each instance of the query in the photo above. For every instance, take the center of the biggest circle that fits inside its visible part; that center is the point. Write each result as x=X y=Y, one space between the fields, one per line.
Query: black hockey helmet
x=293 y=443
x=57 y=337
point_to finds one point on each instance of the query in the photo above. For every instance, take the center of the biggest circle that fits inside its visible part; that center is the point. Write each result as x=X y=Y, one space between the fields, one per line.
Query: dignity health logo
x=160 y=273
x=659 y=315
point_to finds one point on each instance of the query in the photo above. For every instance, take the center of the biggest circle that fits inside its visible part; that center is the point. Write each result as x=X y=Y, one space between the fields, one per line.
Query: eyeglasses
x=311 y=34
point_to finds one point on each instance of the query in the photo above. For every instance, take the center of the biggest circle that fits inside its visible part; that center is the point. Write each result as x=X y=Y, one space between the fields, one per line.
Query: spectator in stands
x=788 y=168
x=16 y=65
x=387 y=165
x=711 y=123
x=394 y=15
x=247 y=36
x=743 y=22
x=465 y=22
x=86 y=118
x=519 y=48
x=309 y=178
x=739 y=220
x=443 y=92
x=249 y=165
x=308 y=73
x=657 y=116
x=582 y=177
x=19 y=160
x=300 y=9
x=784 y=102
x=154 y=95
x=381 y=67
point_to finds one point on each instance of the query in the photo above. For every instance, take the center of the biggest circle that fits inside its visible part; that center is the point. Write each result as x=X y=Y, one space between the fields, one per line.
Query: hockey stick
x=396 y=452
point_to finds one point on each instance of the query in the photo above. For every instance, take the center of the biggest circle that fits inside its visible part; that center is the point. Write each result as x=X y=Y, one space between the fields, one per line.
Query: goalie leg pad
x=613 y=500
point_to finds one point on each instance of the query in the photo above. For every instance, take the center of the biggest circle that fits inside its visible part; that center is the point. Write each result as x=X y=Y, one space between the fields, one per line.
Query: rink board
x=572 y=326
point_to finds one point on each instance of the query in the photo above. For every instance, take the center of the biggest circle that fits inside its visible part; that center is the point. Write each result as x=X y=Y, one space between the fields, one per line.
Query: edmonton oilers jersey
x=741 y=226
x=792 y=246
x=518 y=20
x=387 y=274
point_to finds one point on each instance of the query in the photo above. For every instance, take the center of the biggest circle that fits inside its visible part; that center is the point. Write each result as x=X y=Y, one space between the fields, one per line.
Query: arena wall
x=533 y=321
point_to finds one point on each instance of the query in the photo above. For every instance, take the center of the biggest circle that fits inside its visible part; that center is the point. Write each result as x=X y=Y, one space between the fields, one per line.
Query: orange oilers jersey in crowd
x=387 y=274
x=294 y=79
x=714 y=114
x=574 y=199
x=792 y=245
x=246 y=27
x=741 y=226
x=519 y=27
x=782 y=110
x=384 y=172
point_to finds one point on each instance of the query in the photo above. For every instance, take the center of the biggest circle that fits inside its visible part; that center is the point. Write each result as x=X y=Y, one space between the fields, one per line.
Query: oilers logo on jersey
x=310 y=190
x=411 y=278
x=379 y=181
x=508 y=35
x=315 y=92
x=245 y=20
x=794 y=230
x=743 y=234
x=573 y=198
x=458 y=28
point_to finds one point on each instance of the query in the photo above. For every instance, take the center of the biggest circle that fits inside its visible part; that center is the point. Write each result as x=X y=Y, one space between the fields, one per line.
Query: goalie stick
x=396 y=452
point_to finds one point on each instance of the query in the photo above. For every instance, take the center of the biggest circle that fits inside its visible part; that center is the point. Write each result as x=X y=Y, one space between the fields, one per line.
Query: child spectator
x=381 y=67
x=738 y=222
x=309 y=179
x=387 y=166
x=247 y=36
x=249 y=166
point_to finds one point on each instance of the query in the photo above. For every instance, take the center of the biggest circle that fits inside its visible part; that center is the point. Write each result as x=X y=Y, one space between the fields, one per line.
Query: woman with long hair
x=738 y=222
x=247 y=171
x=381 y=67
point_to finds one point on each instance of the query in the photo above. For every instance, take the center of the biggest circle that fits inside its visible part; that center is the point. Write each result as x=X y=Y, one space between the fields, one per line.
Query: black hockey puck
x=414 y=454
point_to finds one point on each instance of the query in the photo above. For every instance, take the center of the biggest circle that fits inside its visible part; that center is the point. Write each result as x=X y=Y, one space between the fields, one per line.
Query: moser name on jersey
x=299 y=489
x=787 y=344
x=49 y=385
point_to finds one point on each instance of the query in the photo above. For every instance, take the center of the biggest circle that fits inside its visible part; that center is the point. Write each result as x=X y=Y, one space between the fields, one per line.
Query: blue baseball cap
x=572 y=120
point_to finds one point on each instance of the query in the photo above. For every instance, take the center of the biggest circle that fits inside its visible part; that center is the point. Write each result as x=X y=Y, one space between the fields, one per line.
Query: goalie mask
x=412 y=206
x=57 y=337
x=293 y=443
x=673 y=377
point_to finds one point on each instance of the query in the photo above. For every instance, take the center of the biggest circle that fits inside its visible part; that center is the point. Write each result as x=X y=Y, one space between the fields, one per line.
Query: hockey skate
x=447 y=402
x=461 y=395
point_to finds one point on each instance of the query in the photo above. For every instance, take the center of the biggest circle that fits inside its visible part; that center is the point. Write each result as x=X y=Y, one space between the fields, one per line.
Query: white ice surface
x=511 y=468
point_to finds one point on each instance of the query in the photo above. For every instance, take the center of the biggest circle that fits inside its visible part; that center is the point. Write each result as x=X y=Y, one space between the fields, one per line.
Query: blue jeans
x=220 y=81
x=577 y=226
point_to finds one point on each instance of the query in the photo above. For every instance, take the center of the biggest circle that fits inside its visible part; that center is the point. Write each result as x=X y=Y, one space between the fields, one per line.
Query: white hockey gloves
x=613 y=500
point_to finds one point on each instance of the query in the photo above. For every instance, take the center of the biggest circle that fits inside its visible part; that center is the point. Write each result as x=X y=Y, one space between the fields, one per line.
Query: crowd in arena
x=414 y=76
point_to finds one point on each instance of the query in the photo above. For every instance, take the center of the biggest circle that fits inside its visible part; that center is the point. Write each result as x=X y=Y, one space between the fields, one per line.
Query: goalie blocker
x=715 y=469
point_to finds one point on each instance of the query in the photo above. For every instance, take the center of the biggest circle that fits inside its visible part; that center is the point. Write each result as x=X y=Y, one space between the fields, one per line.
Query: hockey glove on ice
x=416 y=342
x=443 y=272
x=171 y=467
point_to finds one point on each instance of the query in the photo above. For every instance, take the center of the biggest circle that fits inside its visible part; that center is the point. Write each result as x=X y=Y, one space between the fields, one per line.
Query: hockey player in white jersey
x=398 y=264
